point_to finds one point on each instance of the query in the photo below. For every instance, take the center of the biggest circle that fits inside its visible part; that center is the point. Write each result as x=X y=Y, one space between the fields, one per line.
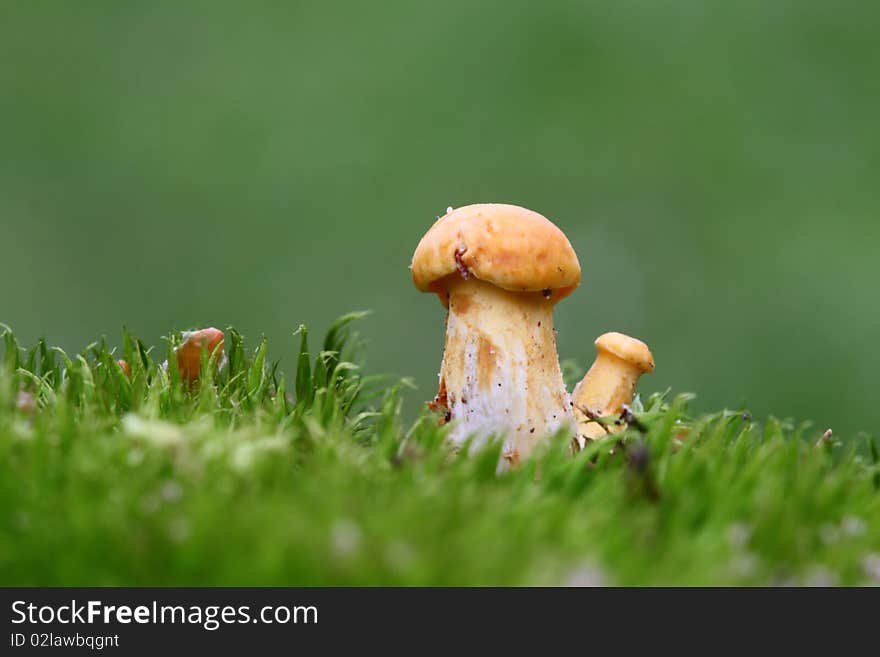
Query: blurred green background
x=716 y=166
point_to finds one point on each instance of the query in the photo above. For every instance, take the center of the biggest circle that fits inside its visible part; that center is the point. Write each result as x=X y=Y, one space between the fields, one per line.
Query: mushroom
x=610 y=383
x=500 y=270
x=189 y=353
x=123 y=364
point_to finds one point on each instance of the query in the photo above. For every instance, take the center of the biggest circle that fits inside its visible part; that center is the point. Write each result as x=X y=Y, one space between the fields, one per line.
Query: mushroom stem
x=500 y=372
x=610 y=384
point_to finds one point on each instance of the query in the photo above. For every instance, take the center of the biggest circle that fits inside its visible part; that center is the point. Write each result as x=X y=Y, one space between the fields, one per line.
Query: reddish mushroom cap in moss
x=189 y=353
x=125 y=368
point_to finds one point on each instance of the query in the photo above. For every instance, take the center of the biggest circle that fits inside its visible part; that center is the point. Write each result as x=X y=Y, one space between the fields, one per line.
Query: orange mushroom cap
x=189 y=353
x=511 y=247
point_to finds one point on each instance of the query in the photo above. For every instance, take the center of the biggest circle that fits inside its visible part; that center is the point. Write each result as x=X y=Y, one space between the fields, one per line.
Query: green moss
x=108 y=481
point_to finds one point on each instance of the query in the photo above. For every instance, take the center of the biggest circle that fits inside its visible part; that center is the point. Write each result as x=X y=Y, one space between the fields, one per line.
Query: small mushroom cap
x=125 y=368
x=189 y=353
x=506 y=245
x=632 y=351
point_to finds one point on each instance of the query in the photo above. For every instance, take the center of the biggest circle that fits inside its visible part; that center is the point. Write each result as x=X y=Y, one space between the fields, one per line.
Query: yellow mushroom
x=610 y=384
x=500 y=270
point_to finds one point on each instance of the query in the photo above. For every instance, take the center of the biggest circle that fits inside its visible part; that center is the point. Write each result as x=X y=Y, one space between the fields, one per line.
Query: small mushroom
x=189 y=353
x=610 y=383
x=500 y=270
x=123 y=364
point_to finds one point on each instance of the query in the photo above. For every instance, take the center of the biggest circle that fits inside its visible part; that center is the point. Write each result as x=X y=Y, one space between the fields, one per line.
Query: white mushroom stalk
x=610 y=384
x=500 y=269
x=500 y=372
